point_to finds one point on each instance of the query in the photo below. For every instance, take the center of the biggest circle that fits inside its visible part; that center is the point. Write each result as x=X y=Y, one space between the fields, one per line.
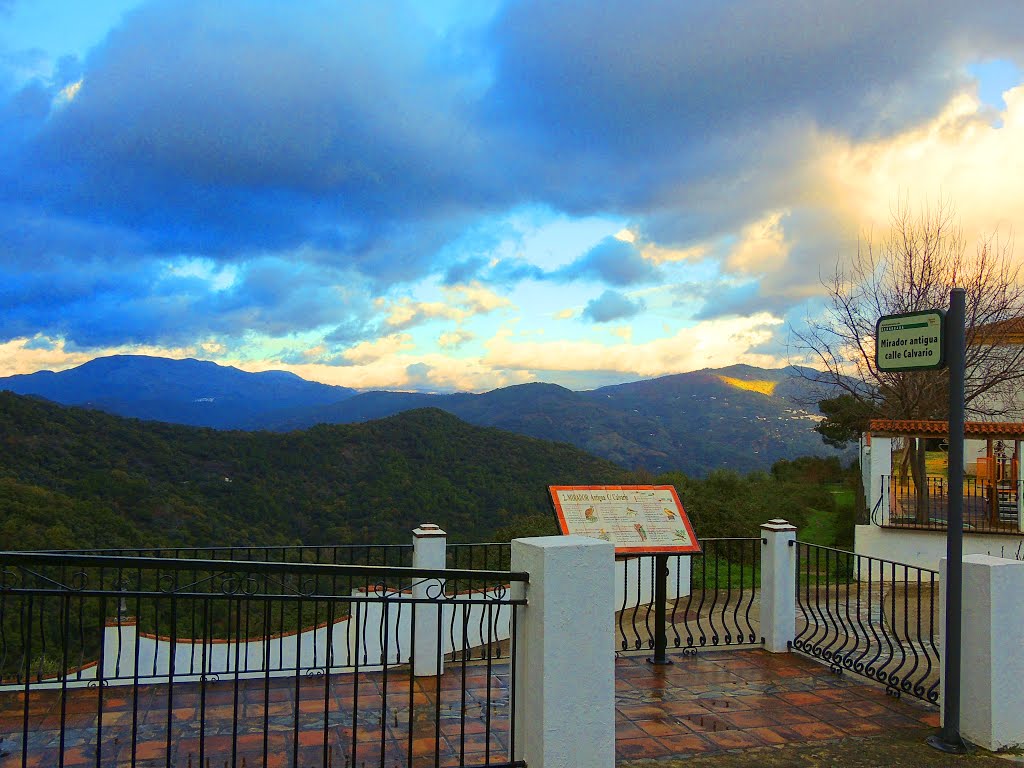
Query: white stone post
x=1020 y=484
x=429 y=550
x=565 y=667
x=881 y=474
x=991 y=652
x=778 y=585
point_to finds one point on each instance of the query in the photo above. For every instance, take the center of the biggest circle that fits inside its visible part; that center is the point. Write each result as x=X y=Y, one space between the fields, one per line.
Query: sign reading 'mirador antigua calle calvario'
x=911 y=342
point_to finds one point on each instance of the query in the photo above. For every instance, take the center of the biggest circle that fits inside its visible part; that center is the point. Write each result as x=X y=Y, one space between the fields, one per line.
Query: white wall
x=924 y=549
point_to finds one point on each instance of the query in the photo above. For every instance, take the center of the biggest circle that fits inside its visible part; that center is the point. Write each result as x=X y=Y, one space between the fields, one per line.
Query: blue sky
x=465 y=195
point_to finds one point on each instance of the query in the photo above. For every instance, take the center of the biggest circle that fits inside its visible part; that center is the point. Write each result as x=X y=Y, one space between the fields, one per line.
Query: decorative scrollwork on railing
x=438 y=589
x=8 y=580
x=28 y=579
x=873 y=617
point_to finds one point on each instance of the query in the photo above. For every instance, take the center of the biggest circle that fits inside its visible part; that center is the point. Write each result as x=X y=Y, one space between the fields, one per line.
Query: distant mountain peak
x=184 y=391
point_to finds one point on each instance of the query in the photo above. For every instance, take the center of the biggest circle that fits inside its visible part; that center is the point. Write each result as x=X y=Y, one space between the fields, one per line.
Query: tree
x=911 y=268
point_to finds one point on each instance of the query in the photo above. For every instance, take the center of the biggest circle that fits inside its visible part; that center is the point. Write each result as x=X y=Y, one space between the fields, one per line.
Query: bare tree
x=911 y=268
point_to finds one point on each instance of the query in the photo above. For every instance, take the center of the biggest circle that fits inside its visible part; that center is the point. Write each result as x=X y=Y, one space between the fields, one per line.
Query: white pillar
x=778 y=585
x=565 y=669
x=1020 y=485
x=991 y=654
x=881 y=472
x=429 y=551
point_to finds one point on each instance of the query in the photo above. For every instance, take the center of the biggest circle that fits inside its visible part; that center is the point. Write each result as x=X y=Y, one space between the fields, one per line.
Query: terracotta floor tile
x=801 y=699
x=685 y=707
x=628 y=730
x=729 y=699
x=659 y=728
x=734 y=739
x=787 y=715
x=749 y=719
x=859 y=726
x=816 y=731
x=687 y=744
x=640 y=748
x=776 y=734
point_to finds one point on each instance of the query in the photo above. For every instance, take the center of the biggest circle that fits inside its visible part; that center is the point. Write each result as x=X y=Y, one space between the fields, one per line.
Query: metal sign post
x=948 y=739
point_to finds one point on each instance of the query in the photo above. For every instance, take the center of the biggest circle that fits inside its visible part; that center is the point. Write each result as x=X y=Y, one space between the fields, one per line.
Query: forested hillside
x=71 y=477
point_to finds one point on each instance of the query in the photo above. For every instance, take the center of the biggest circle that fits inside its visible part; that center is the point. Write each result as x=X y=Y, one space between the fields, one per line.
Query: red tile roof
x=926 y=428
x=1005 y=332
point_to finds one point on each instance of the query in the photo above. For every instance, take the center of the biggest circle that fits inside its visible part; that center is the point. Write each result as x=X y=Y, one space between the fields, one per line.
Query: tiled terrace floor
x=723 y=700
x=715 y=701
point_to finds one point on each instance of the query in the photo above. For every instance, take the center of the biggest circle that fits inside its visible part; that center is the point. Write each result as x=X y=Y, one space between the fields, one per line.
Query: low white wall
x=924 y=549
x=634 y=581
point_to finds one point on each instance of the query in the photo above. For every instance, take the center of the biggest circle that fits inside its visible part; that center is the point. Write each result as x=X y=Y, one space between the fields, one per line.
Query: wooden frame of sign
x=637 y=519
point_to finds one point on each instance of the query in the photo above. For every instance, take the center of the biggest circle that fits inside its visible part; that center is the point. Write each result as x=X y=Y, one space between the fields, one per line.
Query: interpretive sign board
x=914 y=341
x=637 y=519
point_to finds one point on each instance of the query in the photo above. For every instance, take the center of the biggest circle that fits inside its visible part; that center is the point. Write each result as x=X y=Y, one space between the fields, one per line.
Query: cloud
x=762 y=247
x=341 y=126
x=366 y=352
x=461 y=303
x=706 y=344
x=418 y=376
x=613 y=261
x=314 y=158
x=611 y=305
x=455 y=339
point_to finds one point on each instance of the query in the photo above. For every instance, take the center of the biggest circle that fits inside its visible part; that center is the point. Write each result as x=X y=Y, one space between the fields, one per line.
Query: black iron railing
x=490 y=556
x=711 y=597
x=397 y=555
x=873 y=617
x=156 y=661
x=988 y=506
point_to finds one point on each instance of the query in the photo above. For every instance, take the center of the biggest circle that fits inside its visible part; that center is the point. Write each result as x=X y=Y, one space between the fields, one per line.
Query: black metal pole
x=948 y=739
x=660 y=598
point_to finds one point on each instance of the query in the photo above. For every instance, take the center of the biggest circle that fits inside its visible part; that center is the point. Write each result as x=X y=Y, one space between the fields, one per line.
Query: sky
x=466 y=195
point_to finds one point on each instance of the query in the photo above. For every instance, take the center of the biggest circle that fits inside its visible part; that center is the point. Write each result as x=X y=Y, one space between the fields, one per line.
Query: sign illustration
x=637 y=519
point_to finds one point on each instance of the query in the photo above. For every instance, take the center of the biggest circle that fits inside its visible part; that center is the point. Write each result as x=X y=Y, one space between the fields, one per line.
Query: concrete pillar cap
x=428 y=529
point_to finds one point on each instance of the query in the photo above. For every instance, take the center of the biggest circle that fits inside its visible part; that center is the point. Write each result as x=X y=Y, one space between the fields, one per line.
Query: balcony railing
x=196 y=661
x=989 y=506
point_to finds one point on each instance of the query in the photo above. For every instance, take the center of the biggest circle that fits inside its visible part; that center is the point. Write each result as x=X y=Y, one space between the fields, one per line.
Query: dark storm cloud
x=611 y=305
x=222 y=127
x=612 y=261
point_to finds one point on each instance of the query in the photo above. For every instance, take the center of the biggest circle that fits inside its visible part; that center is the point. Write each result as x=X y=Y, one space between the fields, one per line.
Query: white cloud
x=366 y=352
x=461 y=303
x=959 y=156
x=762 y=247
x=454 y=339
x=707 y=344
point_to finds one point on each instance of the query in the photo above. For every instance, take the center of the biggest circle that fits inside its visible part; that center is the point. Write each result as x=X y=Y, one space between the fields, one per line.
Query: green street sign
x=914 y=341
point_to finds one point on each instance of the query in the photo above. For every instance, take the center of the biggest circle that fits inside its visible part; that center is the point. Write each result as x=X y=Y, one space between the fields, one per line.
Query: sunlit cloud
x=454 y=339
x=366 y=352
x=461 y=303
x=762 y=247
x=707 y=344
x=69 y=92
x=959 y=157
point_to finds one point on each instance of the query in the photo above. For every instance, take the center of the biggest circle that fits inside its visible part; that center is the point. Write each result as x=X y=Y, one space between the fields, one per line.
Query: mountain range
x=195 y=392
x=739 y=417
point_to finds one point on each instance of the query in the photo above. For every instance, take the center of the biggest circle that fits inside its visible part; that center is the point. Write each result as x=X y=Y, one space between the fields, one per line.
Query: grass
x=826 y=527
